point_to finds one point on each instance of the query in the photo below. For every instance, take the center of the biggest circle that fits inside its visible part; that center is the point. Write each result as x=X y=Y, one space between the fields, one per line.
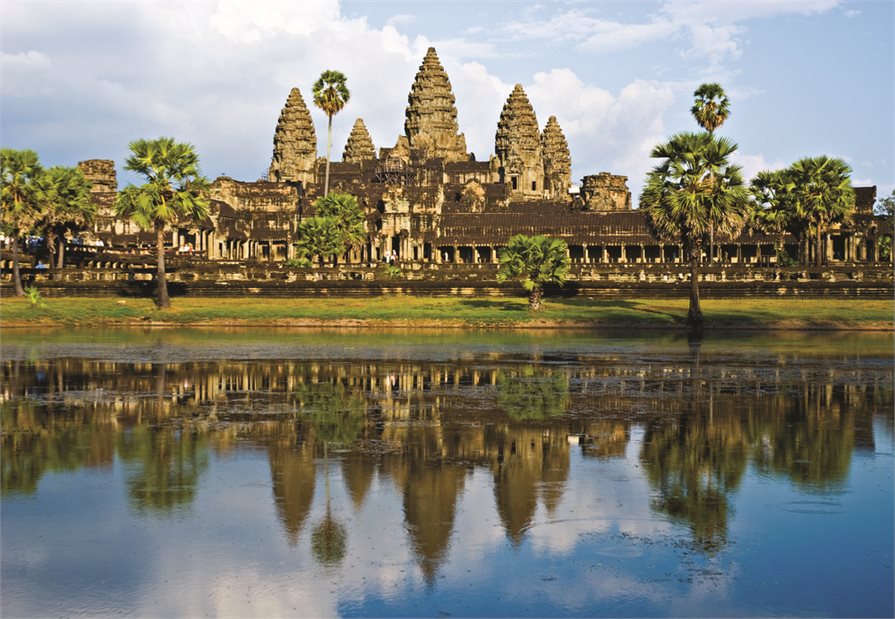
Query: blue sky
x=805 y=77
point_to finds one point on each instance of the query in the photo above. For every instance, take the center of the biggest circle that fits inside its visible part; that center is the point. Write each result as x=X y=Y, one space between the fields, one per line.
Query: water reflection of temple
x=424 y=427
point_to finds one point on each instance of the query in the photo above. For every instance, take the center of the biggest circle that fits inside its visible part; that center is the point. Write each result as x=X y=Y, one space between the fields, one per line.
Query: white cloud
x=753 y=164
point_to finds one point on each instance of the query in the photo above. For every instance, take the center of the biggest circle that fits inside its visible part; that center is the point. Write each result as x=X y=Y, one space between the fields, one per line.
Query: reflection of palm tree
x=338 y=418
x=165 y=466
x=328 y=537
x=695 y=462
x=533 y=394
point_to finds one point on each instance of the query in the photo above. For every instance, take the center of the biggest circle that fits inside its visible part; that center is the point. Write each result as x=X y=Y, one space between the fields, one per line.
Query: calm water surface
x=270 y=473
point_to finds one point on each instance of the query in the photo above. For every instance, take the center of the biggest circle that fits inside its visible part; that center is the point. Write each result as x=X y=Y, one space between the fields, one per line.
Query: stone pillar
x=642 y=253
x=624 y=255
x=829 y=248
x=604 y=254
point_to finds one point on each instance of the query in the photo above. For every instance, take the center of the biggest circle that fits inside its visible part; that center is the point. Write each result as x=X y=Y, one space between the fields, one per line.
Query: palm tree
x=774 y=208
x=330 y=95
x=710 y=109
x=823 y=195
x=694 y=187
x=19 y=171
x=66 y=207
x=174 y=189
x=535 y=261
x=347 y=217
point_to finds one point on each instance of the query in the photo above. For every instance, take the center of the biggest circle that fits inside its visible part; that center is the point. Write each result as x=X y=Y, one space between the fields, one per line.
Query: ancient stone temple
x=428 y=201
x=294 y=143
x=557 y=160
x=517 y=145
x=430 y=123
x=359 y=146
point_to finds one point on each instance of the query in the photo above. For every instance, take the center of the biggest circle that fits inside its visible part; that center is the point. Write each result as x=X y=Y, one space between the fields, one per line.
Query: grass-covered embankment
x=409 y=311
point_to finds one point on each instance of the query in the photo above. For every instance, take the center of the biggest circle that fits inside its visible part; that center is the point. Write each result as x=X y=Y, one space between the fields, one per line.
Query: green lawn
x=411 y=311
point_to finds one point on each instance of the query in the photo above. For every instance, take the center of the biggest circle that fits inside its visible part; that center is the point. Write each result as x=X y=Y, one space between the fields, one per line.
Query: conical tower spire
x=431 y=116
x=557 y=160
x=294 y=143
x=517 y=145
x=359 y=146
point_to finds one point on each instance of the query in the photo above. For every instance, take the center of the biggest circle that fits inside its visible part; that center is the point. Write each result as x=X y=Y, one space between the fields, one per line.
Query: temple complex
x=428 y=200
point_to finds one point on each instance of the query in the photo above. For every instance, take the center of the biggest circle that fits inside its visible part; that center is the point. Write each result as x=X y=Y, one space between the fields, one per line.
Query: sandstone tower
x=557 y=160
x=605 y=192
x=359 y=146
x=101 y=174
x=431 y=116
x=294 y=143
x=518 y=147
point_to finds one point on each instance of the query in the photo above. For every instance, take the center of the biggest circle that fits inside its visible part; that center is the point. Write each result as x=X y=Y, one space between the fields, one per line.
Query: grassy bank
x=407 y=311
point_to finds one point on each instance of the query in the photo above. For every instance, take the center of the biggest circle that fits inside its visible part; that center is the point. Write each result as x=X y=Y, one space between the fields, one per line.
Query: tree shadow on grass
x=623 y=305
x=495 y=304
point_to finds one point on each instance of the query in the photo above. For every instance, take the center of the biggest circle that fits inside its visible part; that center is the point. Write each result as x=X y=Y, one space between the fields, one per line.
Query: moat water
x=292 y=473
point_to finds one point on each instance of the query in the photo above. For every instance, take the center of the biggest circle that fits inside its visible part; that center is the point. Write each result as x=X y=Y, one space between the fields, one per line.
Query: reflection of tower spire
x=358 y=475
x=430 y=498
x=292 y=473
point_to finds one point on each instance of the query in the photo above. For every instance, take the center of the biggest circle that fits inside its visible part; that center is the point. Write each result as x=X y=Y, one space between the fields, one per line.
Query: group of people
x=391 y=257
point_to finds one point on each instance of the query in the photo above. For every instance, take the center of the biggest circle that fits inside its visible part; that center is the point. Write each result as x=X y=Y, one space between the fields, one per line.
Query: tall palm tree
x=330 y=95
x=65 y=207
x=535 y=261
x=823 y=195
x=773 y=206
x=710 y=109
x=695 y=186
x=19 y=171
x=174 y=189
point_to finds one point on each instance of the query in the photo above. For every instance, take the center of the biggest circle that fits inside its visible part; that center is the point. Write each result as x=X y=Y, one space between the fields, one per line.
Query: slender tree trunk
x=162 y=300
x=534 y=299
x=16 y=274
x=711 y=242
x=51 y=246
x=694 y=314
x=329 y=146
x=61 y=240
x=818 y=249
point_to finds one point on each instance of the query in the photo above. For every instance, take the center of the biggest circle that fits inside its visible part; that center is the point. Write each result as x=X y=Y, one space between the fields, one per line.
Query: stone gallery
x=428 y=201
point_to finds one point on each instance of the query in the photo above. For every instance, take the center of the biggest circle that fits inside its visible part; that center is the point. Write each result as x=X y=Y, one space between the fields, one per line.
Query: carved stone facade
x=517 y=145
x=359 y=146
x=101 y=173
x=430 y=123
x=428 y=201
x=557 y=160
x=605 y=192
x=294 y=144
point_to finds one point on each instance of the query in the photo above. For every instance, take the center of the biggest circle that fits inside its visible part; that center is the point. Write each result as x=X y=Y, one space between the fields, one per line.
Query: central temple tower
x=430 y=123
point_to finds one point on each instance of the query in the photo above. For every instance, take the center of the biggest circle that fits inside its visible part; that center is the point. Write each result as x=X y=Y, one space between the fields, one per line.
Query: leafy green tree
x=711 y=107
x=535 y=261
x=823 y=195
x=774 y=207
x=533 y=393
x=695 y=187
x=347 y=216
x=885 y=207
x=174 y=189
x=330 y=95
x=337 y=227
x=63 y=195
x=317 y=237
x=19 y=171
